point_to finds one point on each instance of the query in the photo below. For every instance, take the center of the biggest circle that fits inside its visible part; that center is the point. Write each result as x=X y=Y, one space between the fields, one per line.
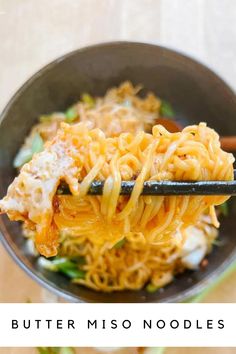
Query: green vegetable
x=74 y=273
x=65 y=266
x=62 y=262
x=151 y=288
x=47 y=264
x=166 y=109
x=55 y=350
x=88 y=99
x=37 y=144
x=67 y=350
x=43 y=351
x=217 y=242
x=79 y=260
x=71 y=114
x=45 y=118
x=49 y=350
x=70 y=269
x=224 y=208
x=23 y=156
x=120 y=243
x=26 y=154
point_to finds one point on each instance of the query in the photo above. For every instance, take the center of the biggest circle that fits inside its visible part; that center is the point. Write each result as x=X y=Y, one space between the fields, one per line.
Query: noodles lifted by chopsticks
x=126 y=241
x=80 y=154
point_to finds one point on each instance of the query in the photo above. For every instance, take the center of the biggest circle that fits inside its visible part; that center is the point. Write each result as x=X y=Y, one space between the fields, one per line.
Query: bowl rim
x=11 y=247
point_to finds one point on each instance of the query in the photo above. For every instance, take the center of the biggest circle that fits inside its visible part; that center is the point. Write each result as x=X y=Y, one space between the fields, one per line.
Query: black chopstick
x=167 y=187
x=172 y=188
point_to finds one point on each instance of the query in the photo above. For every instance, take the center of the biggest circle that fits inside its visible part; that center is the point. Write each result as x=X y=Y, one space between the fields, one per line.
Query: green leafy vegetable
x=65 y=266
x=224 y=208
x=47 y=350
x=47 y=264
x=151 y=288
x=120 y=243
x=74 y=273
x=62 y=262
x=79 y=260
x=37 y=144
x=88 y=99
x=26 y=154
x=71 y=114
x=43 y=351
x=217 y=242
x=166 y=109
x=23 y=156
x=69 y=268
x=67 y=350
x=53 y=350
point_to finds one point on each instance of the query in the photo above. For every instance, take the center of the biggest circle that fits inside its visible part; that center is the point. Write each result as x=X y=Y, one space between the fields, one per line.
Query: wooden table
x=33 y=33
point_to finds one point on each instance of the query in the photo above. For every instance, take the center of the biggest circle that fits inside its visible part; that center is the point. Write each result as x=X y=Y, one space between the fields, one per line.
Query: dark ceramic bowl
x=195 y=92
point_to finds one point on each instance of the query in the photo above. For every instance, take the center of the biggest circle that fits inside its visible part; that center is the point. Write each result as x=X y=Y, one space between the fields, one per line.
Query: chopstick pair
x=168 y=188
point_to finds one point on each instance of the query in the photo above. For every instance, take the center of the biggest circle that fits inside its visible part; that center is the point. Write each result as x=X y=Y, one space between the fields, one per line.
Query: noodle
x=107 y=141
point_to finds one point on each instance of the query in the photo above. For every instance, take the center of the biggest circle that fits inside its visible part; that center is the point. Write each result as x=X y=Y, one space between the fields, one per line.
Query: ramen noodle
x=113 y=242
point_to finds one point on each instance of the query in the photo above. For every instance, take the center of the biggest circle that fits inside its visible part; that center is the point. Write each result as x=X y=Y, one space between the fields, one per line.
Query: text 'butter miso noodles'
x=114 y=242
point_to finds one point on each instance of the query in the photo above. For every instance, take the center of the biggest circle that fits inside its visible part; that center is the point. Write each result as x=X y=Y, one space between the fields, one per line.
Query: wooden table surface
x=33 y=33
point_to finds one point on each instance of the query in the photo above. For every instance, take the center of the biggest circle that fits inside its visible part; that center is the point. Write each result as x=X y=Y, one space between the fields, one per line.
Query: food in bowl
x=107 y=350
x=114 y=242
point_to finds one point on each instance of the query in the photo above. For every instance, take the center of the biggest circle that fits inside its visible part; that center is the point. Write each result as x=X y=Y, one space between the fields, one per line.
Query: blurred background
x=33 y=33
x=119 y=351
